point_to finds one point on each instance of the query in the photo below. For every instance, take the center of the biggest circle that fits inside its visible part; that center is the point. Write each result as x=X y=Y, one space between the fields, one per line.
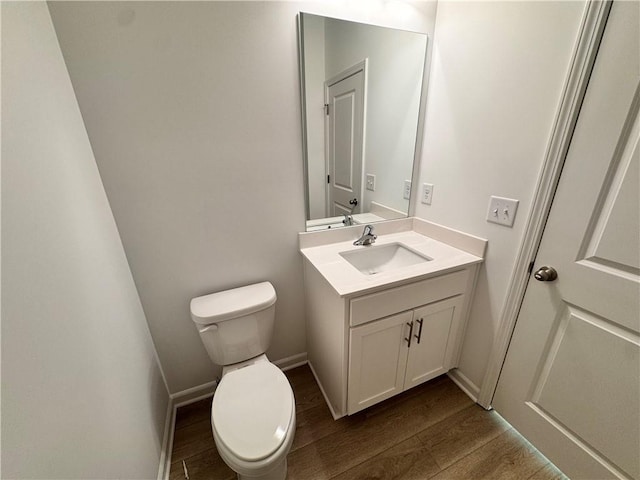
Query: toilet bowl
x=253 y=420
x=253 y=410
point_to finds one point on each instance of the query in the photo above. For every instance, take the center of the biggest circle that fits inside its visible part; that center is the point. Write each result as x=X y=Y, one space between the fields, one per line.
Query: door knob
x=546 y=274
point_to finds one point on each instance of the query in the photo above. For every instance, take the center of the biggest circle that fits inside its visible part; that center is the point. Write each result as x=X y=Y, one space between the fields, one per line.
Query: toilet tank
x=236 y=325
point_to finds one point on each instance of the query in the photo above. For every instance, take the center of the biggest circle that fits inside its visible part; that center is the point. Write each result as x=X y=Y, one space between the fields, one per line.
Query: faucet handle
x=367 y=237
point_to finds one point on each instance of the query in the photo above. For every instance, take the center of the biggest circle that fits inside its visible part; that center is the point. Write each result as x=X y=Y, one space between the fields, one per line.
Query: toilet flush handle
x=209 y=328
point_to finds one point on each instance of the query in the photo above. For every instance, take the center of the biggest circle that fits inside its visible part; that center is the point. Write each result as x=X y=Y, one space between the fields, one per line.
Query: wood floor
x=432 y=431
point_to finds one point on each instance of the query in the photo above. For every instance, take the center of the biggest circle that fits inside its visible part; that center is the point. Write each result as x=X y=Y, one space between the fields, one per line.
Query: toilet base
x=278 y=473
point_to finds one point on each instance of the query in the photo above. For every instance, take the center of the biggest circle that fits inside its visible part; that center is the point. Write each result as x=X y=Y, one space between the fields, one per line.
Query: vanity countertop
x=348 y=280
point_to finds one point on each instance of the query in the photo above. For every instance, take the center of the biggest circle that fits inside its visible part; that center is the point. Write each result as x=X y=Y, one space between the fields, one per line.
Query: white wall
x=497 y=73
x=193 y=112
x=82 y=393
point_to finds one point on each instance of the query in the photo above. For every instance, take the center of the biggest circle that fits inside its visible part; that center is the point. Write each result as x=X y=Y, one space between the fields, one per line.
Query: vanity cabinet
x=395 y=353
x=367 y=347
x=374 y=333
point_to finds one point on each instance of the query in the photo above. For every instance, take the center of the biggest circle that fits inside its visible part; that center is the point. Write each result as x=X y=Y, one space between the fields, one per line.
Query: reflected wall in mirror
x=361 y=94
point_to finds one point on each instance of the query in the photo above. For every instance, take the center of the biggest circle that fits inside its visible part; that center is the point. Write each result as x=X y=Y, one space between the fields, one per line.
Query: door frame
x=344 y=74
x=590 y=35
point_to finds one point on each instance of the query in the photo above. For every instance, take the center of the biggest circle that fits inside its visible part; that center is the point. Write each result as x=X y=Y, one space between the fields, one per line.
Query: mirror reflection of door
x=394 y=90
x=345 y=125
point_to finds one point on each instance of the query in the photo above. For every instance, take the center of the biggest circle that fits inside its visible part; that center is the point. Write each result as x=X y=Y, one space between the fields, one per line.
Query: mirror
x=361 y=89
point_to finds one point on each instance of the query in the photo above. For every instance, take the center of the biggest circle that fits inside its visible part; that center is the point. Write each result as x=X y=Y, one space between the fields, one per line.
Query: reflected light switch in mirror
x=371 y=182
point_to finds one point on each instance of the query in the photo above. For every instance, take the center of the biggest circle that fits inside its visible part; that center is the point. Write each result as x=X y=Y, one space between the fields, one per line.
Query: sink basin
x=383 y=258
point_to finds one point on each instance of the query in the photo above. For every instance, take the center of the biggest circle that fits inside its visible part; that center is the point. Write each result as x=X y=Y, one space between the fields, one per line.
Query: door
x=378 y=358
x=571 y=379
x=345 y=149
x=431 y=352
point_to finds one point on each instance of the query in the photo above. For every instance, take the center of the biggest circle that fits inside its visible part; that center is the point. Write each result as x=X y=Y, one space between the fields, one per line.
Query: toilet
x=253 y=412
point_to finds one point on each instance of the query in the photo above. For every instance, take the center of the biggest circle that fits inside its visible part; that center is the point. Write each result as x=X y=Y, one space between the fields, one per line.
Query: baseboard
x=291 y=362
x=194 y=394
x=176 y=400
x=167 y=442
x=466 y=385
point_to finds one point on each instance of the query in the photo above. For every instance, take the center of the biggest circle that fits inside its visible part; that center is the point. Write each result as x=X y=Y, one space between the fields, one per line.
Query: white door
x=377 y=360
x=571 y=380
x=432 y=328
x=345 y=101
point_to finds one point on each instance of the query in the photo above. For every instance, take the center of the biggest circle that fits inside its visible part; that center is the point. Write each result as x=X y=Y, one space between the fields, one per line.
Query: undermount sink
x=383 y=258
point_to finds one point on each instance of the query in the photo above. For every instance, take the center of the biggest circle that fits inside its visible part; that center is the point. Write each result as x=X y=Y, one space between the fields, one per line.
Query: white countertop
x=348 y=280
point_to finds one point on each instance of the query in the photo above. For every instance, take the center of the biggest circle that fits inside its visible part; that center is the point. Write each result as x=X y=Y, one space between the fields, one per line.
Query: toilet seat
x=252 y=411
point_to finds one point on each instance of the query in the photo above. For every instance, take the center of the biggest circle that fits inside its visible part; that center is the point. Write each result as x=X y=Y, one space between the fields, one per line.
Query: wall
x=82 y=393
x=193 y=112
x=498 y=70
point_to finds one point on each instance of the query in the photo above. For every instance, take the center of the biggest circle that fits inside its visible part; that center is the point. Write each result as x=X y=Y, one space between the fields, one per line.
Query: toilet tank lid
x=228 y=304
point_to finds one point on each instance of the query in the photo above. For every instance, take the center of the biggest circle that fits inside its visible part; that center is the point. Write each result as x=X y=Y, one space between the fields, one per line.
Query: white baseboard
x=176 y=400
x=291 y=362
x=195 y=394
x=167 y=442
x=466 y=385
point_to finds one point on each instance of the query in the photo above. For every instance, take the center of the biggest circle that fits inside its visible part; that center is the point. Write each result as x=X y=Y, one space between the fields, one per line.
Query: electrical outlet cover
x=427 y=193
x=371 y=182
x=502 y=211
x=406 y=192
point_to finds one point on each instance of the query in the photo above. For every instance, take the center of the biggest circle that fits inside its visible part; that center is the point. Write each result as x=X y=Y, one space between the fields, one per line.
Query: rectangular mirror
x=361 y=88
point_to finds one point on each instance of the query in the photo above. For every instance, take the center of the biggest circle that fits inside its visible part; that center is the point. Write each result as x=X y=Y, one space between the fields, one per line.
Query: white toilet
x=253 y=413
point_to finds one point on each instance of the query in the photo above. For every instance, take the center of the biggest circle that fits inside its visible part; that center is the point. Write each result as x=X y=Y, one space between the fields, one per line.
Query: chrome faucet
x=367 y=237
x=348 y=219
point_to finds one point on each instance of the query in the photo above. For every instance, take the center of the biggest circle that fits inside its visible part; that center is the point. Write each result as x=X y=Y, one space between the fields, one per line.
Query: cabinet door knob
x=419 y=335
x=410 y=334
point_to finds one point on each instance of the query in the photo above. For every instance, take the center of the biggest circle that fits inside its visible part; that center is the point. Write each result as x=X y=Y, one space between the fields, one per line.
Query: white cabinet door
x=378 y=357
x=431 y=350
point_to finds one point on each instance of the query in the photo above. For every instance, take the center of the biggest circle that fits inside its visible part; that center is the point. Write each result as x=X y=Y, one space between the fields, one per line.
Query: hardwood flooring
x=431 y=431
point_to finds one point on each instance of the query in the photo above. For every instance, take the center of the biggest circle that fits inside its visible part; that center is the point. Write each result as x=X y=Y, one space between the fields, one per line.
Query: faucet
x=367 y=237
x=348 y=219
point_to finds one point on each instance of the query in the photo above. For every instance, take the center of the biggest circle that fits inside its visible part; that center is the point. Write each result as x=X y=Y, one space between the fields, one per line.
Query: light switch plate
x=371 y=182
x=502 y=210
x=406 y=192
x=427 y=193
